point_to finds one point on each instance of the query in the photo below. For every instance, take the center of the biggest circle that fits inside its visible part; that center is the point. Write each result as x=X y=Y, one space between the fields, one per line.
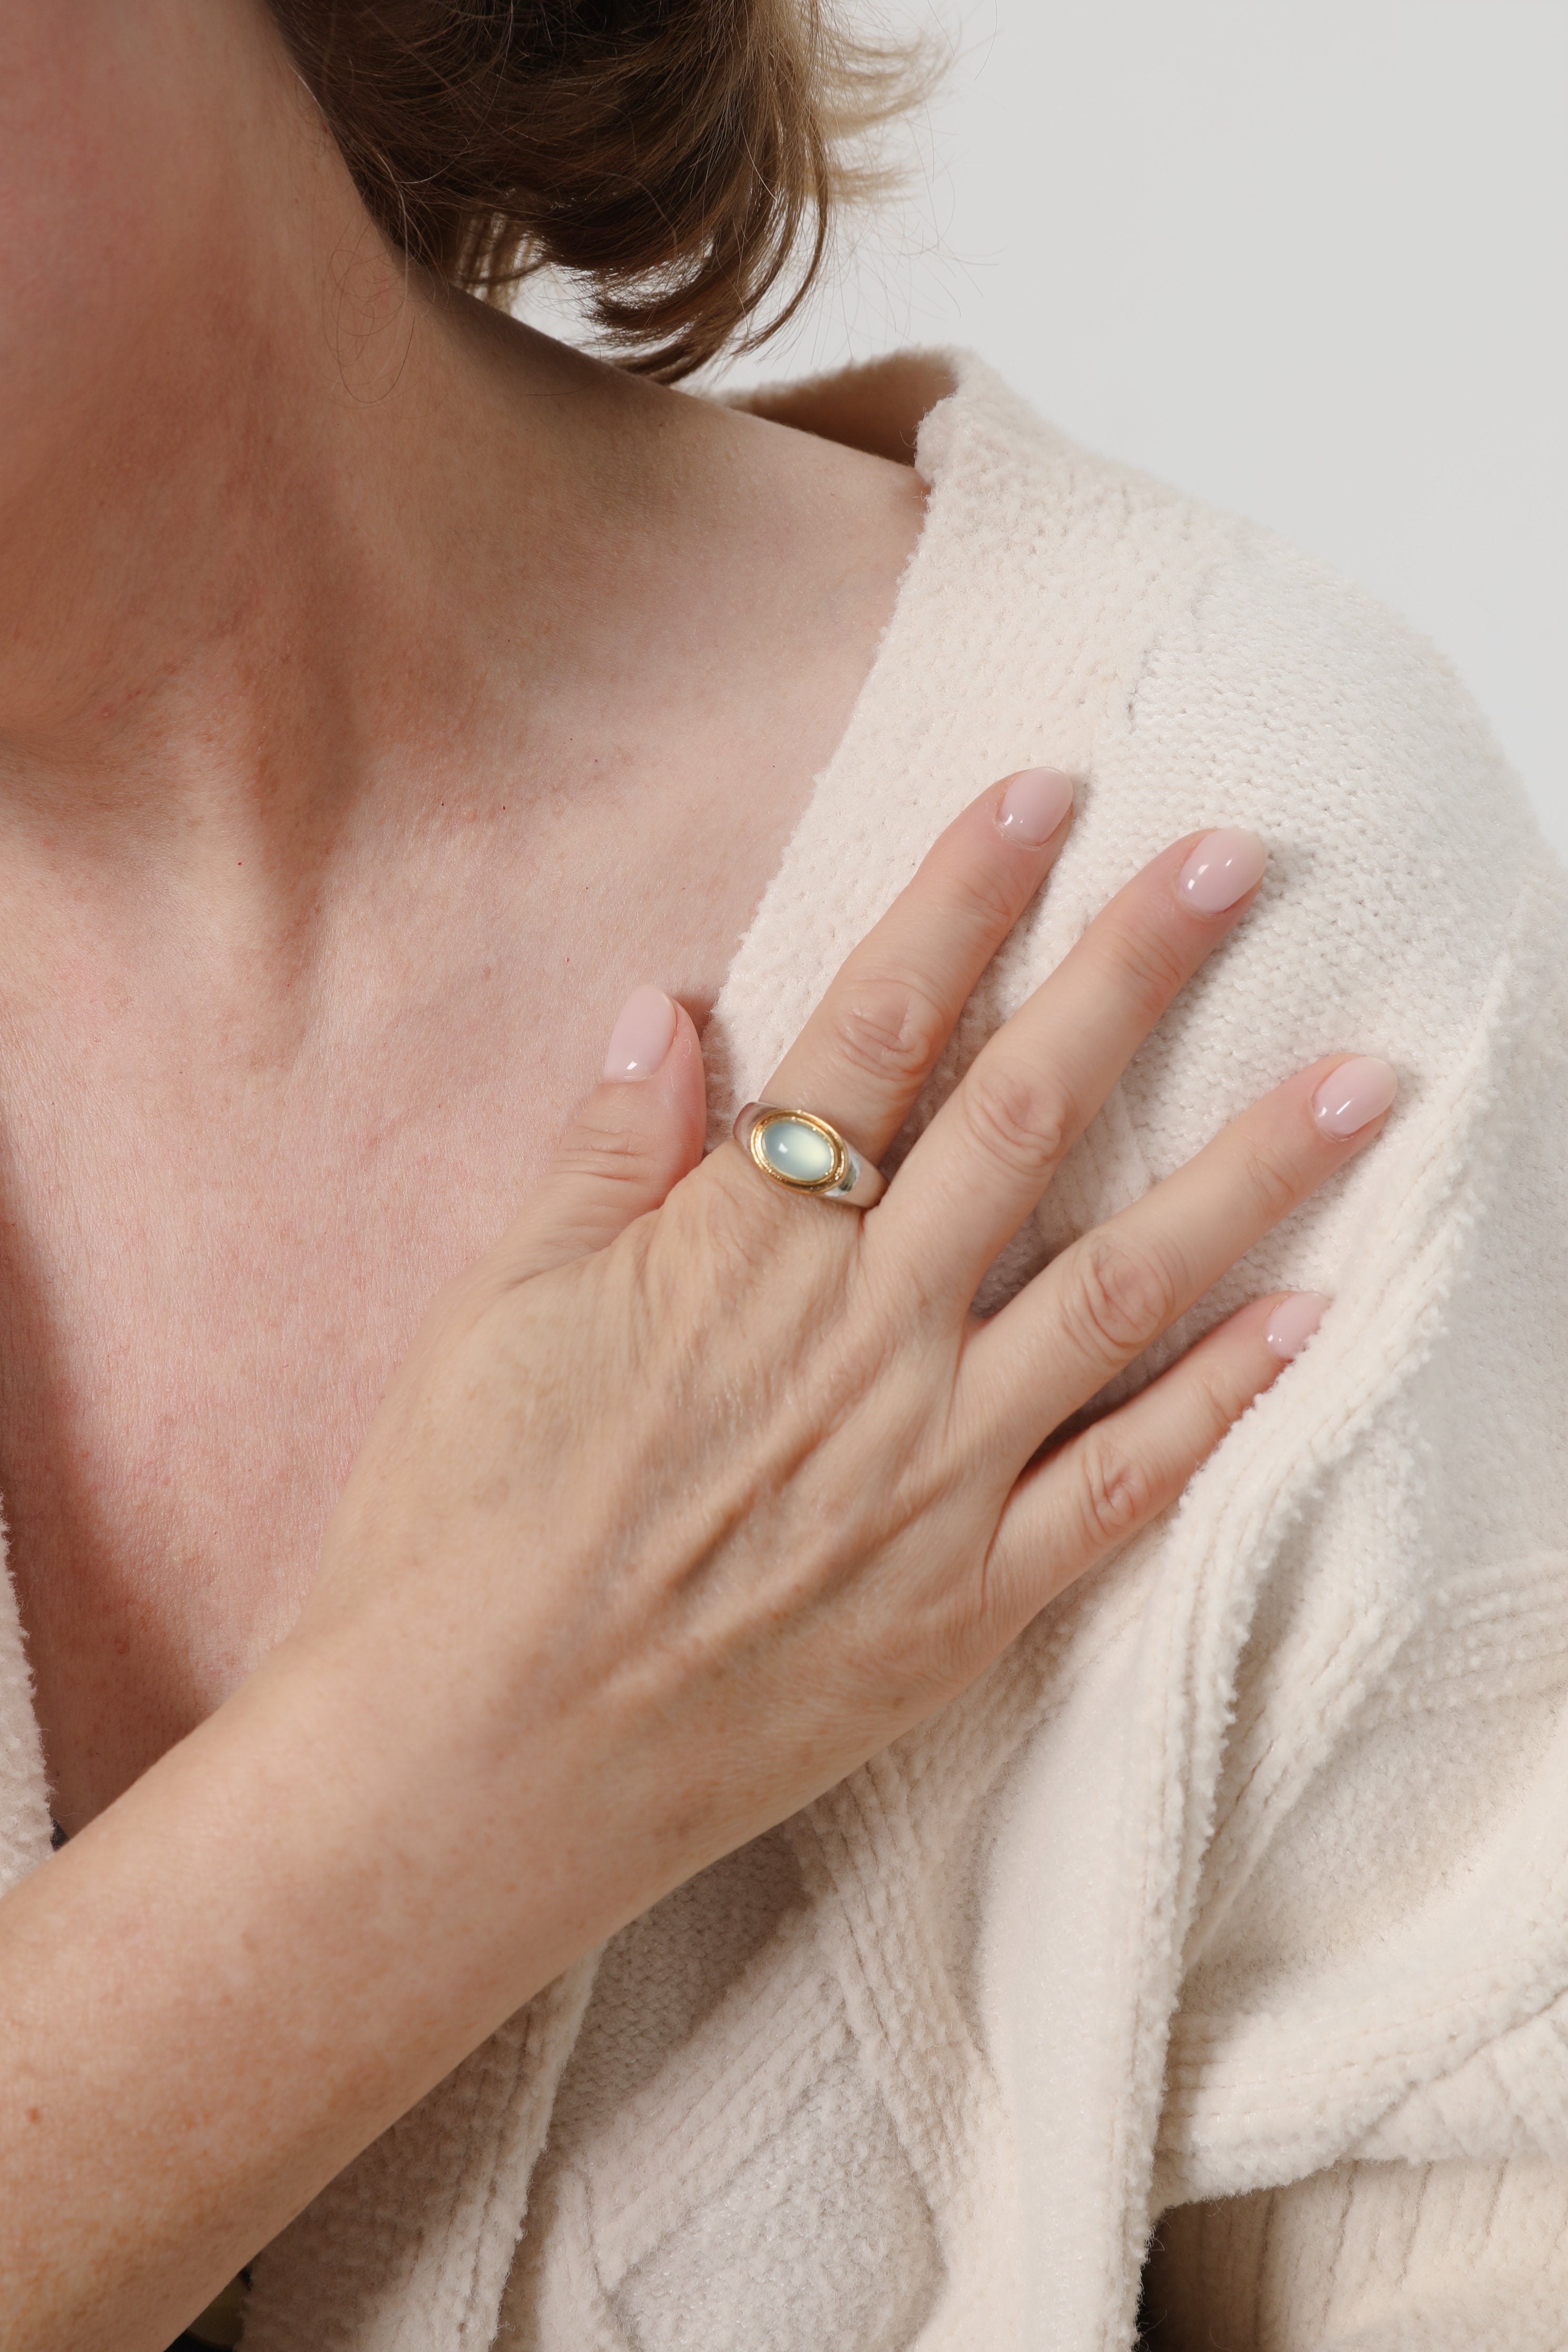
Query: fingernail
x=642 y=1036
x=1293 y=1322
x=1220 y=870
x=1357 y=1092
x=1034 y=806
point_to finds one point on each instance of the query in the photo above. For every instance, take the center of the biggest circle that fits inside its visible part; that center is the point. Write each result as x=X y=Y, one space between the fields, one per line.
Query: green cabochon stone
x=796 y=1151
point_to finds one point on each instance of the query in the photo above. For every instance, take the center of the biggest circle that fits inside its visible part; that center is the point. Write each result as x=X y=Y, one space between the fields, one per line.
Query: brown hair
x=685 y=155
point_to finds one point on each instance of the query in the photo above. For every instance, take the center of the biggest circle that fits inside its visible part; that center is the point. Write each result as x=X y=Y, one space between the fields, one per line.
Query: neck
x=237 y=499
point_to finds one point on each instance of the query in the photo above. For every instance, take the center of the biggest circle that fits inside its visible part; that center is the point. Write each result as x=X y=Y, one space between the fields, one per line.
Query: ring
x=802 y=1152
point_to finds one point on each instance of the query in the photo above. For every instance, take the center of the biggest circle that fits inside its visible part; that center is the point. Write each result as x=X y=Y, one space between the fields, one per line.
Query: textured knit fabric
x=1237 y=1893
x=1371 y=2258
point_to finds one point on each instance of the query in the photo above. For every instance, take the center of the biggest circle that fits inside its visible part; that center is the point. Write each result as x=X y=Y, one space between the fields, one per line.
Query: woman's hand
x=717 y=1488
x=690 y=1496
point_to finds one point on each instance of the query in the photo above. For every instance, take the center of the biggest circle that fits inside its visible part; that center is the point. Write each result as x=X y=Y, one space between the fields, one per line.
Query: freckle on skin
x=34 y=2115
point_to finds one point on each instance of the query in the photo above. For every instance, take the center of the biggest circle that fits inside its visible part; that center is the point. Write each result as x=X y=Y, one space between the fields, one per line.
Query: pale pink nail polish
x=1357 y=1092
x=1034 y=806
x=1220 y=870
x=642 y=1036
x=1293 y=1322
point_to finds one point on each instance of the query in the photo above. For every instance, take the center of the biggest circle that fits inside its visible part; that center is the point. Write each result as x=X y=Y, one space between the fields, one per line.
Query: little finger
x=1088 y=1496
x=1107 y=1295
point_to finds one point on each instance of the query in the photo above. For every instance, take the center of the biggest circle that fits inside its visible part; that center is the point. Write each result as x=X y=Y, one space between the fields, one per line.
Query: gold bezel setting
x=836 y=1176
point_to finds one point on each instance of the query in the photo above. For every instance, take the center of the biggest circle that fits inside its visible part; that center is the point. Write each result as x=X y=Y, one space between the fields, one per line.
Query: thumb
x=635 y=1137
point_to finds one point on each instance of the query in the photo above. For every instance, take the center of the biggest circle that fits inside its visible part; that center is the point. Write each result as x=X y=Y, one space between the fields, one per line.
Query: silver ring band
x=804 y=1154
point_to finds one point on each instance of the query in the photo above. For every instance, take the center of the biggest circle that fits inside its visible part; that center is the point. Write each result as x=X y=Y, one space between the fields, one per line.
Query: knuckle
x=1214 y=1387
x=1118 y=1493
x=1017 y=1116
x=733 y=1224
x=1219 y=1398
x=1270 y=1179
x=1149 y=966
x=986 y=896
x=1122 y=1298
x=595 y=1146
x=695 y=1272
x=732 y=1216
x=890 y=1028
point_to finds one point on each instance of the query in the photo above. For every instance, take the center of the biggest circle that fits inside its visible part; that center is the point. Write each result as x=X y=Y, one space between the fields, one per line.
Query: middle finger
x=980 y=1167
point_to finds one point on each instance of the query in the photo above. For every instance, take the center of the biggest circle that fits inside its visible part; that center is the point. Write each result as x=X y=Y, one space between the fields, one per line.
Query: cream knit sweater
x=1237 y=1891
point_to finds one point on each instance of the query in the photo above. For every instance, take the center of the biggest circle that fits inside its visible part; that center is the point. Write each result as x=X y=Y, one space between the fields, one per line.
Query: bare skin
x=385 y=691
x=689 y=1496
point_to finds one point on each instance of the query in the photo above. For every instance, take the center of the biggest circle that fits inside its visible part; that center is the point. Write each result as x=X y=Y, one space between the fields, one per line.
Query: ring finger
x=980 y=1167
x=1106 y=1297
x=1090 y=1495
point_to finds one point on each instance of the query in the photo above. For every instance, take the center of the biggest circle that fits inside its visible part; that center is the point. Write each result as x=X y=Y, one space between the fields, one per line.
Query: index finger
x=878 y=1033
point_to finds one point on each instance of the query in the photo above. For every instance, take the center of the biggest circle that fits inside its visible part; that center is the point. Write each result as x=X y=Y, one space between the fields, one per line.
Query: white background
x=1304 y=258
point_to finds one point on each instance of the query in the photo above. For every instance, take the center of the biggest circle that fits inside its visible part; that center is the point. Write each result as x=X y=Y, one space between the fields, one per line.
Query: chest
x=230 y=1188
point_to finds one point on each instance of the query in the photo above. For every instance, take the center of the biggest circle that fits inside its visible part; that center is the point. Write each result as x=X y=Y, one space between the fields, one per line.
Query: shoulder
x=1193 y=668
x=1188 y=668
x=1226 y=675
x=1186 y=663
